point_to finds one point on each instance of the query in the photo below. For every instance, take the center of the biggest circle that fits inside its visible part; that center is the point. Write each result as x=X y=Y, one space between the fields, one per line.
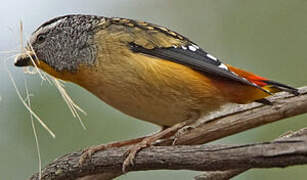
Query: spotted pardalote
x=144 y=70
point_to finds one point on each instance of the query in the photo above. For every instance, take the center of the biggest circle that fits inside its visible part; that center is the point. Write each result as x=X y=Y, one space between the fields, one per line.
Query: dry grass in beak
x=29 y=52
x=74 y=108
x=26 y=105
x=28 y=100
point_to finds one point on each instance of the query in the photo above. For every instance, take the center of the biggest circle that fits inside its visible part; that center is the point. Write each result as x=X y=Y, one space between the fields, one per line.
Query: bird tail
x=274 y=87
x=266 y=84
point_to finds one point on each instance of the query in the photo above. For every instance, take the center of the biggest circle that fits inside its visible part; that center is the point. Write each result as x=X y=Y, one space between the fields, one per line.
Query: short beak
x=25 y=59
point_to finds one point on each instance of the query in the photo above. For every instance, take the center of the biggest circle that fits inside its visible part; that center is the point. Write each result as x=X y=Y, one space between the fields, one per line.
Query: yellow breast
x=64 y=75
x=150 y=89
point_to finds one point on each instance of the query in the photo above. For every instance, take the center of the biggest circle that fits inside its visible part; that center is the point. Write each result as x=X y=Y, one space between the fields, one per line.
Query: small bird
x=144 y=70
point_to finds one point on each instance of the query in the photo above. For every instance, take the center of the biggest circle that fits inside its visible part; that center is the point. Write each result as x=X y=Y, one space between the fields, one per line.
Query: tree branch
x=227 y=174
x=281 y=153
x=220 y=175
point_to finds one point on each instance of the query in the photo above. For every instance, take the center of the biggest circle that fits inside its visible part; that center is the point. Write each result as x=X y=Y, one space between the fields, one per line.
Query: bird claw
x=181 y=132
x=88 y=152
x=131 y=153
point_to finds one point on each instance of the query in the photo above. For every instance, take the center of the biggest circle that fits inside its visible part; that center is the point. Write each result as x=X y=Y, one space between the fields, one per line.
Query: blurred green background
x=265 y=37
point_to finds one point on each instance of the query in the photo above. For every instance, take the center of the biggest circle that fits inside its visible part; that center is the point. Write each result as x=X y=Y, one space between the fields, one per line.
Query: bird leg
x=149 y=140
x=136 y=144
x=87 y=153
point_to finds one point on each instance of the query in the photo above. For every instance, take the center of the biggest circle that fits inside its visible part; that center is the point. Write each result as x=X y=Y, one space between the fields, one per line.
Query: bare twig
x=285 y=152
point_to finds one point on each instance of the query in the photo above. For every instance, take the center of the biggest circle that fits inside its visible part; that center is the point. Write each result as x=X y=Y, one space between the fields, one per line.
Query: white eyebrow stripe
x=45 y=29
x=53 y=24
x=49 y=26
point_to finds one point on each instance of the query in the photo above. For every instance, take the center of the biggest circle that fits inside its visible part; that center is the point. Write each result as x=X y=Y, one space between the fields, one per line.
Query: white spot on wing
x=223 y=66
x=195 y=46
x=234 y=73
x=183 y=47
x=211 y=57
x=192 y=48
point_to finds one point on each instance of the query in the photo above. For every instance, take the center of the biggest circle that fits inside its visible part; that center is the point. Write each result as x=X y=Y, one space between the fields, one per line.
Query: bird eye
x=41 y=38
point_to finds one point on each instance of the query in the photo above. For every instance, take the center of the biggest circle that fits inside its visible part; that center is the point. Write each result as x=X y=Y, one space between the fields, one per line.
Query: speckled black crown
x=65 y=42
x=75 y=20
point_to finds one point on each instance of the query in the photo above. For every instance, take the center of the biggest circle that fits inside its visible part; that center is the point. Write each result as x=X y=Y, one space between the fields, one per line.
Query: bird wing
x=196 y=59
x=160 y=42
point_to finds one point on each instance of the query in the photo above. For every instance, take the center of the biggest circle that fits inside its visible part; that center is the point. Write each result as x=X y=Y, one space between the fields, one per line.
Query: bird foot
x=148 y=141
x=136 y=145
x=132 y=151
x=87 y=153
x=181 y=132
